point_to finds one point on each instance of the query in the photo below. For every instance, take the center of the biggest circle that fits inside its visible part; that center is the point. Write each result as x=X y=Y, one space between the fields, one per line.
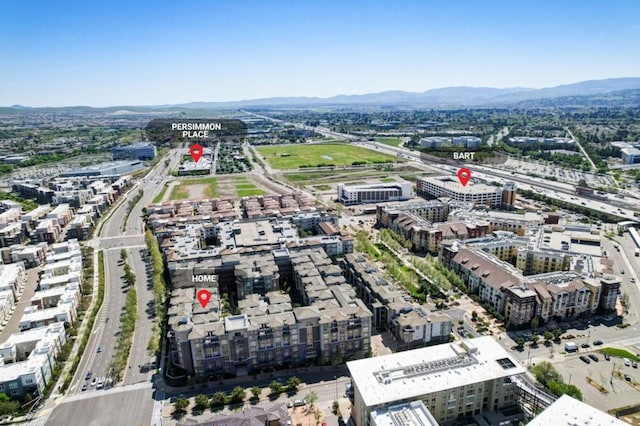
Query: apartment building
x=266 y=329
x=27 y=360
x=568 y=410
x=559 y=295
x=409 y=324
x=452 y=380
x=12 y=278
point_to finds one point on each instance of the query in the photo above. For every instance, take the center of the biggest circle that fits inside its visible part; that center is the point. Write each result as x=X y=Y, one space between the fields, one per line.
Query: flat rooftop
x=454 y=185
x=410 y=374
x=410 y=414
x=567 y=411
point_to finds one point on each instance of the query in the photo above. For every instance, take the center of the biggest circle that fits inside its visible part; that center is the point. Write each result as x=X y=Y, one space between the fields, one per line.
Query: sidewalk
x=300 y=372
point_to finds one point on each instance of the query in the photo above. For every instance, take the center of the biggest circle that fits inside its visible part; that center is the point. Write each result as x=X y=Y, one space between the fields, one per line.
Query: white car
x=627 y=362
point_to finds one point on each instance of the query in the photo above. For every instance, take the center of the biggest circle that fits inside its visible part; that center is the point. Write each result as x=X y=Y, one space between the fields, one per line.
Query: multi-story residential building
x=406 y=414
x=431 y=211
x=558 y=295
x=453 y=380
x=570 y=411
x=266 y=330
x=12 y=278
x=12 y=234
x=409 y=324
x=374 y=193
x=28 y=360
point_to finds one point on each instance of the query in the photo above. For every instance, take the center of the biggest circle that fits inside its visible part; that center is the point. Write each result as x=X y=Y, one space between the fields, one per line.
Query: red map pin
x=464 y=175
x=196 y=152
x=203 y=297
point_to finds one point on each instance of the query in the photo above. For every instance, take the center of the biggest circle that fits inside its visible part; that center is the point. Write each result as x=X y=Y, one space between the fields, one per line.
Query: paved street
x=24 y=300
x=137 y=404
x=130 y=407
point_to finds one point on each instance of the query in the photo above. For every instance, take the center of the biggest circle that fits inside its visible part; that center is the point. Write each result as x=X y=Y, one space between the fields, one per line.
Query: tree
x=181 y=404
x=7 y=405
x=534 y=339
x=275 y=387
x=218 y=399
x=520 y=342
x=123 y=254
x=557 y=333
x=545 y=372
x=535 y=322
x=256 y=391
x=154 y=344
x=311 y=398
x=335 y=407
x=548 y=335
x=202 y=402
x=474 y=316
x=237 y=395
x=292 y=383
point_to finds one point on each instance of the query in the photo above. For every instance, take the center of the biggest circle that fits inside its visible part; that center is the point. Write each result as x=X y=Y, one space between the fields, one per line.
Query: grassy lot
x=301 y=177
x=387 y=180
x=620 y=353
x=322 y=187
x=390 y=141
x=181 y=191
x=158 y=198
x=319 y=155
x=244 y=188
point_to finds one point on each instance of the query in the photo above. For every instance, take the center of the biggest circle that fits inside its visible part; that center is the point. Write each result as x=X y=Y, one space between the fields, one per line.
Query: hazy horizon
x=148 y=53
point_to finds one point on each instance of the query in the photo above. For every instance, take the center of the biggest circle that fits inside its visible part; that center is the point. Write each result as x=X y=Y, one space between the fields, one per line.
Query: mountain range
x=609 y=92
x=446 y=96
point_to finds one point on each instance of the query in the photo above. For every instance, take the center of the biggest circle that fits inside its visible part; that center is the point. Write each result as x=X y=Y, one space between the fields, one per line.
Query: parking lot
x=609 y=374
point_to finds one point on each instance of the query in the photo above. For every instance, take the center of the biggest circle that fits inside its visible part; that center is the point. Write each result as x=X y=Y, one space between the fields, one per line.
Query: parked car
x=597 y=342
x=94 y=381
x=85 y=386
x=299 y=403
x=626 y=361
x=607 y=357
x=99 y=349
x=627 y=377
x=585 y=359
x=634 y=364
x=594 y=357
x=88 y=375
x=584 y=345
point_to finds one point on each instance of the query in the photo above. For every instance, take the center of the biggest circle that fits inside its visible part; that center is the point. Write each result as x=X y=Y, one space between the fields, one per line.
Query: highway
x=561 y=191
x=623 y=208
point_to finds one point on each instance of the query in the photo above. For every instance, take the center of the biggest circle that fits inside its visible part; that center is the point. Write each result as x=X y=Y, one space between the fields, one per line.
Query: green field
x=390 y=141
x=244 y=188
x=320 y=155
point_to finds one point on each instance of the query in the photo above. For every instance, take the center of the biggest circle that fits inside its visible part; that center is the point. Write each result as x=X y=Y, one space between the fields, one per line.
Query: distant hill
x=620 y=98
x=603 y=92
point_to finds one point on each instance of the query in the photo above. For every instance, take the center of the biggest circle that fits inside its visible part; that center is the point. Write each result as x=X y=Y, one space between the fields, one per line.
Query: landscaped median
x=91 y=321
x=127 y=328
x=159 y=291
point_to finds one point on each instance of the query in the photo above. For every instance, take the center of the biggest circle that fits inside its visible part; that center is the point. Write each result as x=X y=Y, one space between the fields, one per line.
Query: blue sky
x=142 y=52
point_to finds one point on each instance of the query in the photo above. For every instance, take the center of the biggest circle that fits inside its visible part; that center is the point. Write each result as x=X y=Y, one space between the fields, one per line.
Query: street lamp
x=336 y=379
